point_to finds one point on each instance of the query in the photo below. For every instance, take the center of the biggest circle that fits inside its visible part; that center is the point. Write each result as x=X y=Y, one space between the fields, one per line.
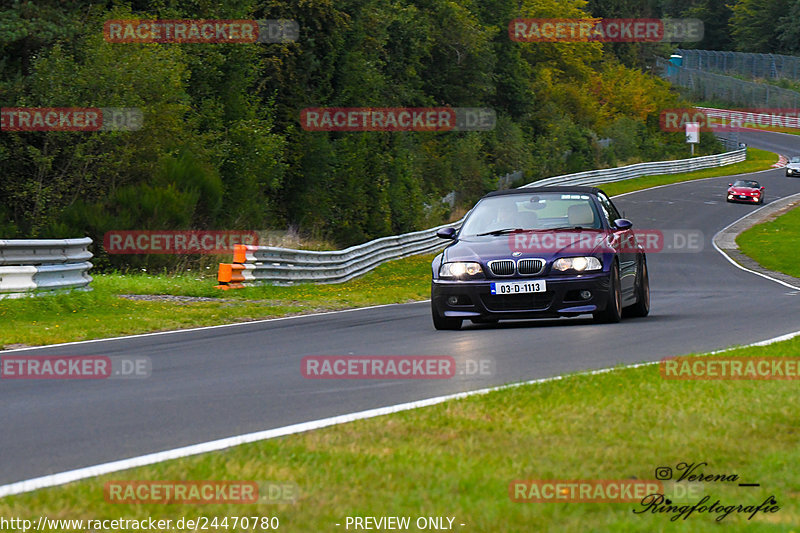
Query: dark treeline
x=222 y=146
x=755 y=26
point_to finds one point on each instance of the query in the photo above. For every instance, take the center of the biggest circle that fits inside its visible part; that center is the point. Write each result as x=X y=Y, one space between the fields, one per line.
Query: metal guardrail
x=30 y=265
x=730 y=140
x=745 y=64
x=611 y=175
x=285 y=266
x=282 y=266
x=757 y=118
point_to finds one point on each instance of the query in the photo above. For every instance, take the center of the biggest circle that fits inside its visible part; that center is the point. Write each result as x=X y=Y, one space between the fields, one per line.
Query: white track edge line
x=737 y=265
x=62 y=478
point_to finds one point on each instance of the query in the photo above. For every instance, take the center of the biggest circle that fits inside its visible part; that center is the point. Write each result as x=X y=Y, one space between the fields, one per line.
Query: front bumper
x=793 y=172
x=743 y=198
x=474 y=298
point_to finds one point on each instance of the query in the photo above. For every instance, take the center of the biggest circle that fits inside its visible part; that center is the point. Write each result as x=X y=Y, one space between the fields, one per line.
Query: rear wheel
x=441 y=322
x=642 y=306
x=613 y=311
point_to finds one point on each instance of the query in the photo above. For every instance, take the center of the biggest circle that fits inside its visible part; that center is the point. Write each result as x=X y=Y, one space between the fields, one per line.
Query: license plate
x=519 y=287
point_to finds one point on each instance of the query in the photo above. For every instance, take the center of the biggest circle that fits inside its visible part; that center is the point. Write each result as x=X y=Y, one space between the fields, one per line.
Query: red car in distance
x=748 y=191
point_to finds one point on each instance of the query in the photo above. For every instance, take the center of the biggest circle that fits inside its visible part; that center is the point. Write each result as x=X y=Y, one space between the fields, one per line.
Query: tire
x=440 y=322
x=613 y=311
x=642 y=306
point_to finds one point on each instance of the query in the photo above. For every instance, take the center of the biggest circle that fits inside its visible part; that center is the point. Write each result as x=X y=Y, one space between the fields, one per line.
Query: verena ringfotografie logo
x=74 y=367
x=537 y=30
x=394 y=367
x=201 y=492
x=650 y=241
x=201 y=31
x=720 y=120
x=398 y=119
x=720 y=367
x=70 y=119
x=176 y=242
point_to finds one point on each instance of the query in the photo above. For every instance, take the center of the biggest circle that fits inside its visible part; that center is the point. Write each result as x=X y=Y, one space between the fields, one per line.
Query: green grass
x=458 y=458
x=774 y=244
x=756 y=160
x=102 y=313
x=792 y=131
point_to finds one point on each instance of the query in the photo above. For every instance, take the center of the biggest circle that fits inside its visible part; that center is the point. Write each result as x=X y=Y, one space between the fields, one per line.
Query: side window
x=609 y=209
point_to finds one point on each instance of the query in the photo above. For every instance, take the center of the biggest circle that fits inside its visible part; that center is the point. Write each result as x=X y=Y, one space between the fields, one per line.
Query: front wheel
x=440 y=322
x=642 y=306
x=613 y=311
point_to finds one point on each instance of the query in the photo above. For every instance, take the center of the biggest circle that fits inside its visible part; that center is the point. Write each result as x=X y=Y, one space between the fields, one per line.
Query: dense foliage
x=222 y=146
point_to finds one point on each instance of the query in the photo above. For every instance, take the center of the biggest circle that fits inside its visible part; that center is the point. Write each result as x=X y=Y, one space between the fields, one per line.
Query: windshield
x=795 y=159
x=746 y=183
x=532 y=212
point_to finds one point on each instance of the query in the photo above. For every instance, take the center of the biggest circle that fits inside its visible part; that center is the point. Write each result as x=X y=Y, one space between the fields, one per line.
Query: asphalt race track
x=213 y=383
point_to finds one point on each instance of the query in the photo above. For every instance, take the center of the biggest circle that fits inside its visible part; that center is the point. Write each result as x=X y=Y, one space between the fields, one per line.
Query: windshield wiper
x=511 y=230
x=500 y=231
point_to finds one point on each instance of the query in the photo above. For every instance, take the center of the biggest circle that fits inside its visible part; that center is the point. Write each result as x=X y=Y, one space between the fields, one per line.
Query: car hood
x=530 y=244
x=794 y=166
x=742 y=190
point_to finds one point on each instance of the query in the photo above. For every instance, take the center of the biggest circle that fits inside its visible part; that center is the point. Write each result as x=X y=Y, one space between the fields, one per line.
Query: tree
x=753 y=24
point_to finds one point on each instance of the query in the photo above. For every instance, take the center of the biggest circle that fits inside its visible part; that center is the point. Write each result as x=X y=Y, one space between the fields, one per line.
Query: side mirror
x=762 y=187
x=730 y=185
x=623 y=223
x=447 y=233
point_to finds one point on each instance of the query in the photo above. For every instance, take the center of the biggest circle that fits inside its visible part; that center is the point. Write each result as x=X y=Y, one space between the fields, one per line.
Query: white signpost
x=692 y=134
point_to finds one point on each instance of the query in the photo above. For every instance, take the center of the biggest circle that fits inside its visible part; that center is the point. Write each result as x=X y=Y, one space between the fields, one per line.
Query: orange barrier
x=230 y=274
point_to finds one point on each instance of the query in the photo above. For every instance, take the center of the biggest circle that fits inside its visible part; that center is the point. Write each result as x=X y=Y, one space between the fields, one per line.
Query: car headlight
x=579 y=264
x=460 y=269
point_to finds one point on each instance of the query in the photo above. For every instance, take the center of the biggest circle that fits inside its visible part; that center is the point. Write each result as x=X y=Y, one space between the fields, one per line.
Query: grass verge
x=104 y=313
x=458 y=458
x=756 y=160
x=774 y=244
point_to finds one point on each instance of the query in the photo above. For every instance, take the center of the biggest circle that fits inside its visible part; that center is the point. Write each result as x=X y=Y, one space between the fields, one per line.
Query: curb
x=725 y=239
x=782 y=161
